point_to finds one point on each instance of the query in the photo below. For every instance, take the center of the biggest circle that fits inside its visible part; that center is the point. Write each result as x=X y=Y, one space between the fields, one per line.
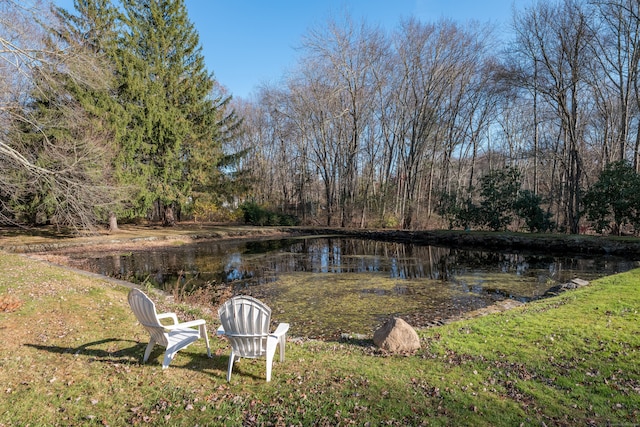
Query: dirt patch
x=498 y=307
x=132 y=237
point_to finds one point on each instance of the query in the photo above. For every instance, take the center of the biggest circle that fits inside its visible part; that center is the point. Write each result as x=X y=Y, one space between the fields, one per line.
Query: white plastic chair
x=245 y=321
x=174 y=337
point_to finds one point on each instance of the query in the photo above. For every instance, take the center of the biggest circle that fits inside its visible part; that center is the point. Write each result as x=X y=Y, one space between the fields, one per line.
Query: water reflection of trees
x=258 y=262
x=421 y=284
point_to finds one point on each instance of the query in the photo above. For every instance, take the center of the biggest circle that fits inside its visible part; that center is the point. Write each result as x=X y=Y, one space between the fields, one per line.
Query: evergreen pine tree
x=158 y=115
x=174 y=126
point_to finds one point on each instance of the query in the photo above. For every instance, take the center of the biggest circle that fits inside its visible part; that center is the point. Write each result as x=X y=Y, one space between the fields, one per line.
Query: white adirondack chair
x=174 y=337
x=245 y=321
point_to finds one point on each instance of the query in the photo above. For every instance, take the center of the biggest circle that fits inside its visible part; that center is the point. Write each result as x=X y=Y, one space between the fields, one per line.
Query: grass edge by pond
x=71 y=356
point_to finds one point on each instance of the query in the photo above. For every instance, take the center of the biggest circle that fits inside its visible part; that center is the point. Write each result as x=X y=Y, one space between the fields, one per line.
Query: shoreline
x=132 y=237
x=59 y=252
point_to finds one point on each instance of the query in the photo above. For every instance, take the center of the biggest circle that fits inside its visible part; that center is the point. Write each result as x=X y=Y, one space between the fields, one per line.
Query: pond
x=326 y=287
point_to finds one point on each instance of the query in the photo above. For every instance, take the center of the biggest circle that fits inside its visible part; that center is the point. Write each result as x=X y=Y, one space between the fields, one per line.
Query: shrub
x=255 y=214
x=614 y=200
x=211 y=212
x=499 y=191
x=528 y=208
x=500 y=199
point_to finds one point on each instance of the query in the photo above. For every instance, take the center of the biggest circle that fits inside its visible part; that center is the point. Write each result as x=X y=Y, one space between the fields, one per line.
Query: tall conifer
x=166 y=90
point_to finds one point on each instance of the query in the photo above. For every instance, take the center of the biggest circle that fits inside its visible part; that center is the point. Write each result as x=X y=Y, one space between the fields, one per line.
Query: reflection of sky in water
x=260 y=262
x=553 y=270
x=324 y=259
x=522 y=268
x=395 y=270
x=232 y=267
x=329 y=259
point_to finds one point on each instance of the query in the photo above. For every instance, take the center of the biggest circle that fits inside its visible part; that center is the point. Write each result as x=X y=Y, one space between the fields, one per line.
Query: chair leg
x=168 y=357
x=283 y=340
x=231 y=360
x=272 y=342
x=147 y=351
x=203 y=334
x=269 y=365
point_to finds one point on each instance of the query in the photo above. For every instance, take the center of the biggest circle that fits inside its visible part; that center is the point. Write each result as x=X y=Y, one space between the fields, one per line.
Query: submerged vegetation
x=331 y=305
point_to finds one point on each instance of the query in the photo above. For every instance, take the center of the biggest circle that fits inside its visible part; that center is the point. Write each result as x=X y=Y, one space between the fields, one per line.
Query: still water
x=325 y=287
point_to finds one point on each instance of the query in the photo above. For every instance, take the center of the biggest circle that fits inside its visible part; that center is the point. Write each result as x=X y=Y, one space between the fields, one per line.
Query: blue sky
x=249 y=42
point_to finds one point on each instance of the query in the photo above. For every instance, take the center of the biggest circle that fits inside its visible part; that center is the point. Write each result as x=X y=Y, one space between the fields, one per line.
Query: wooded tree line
x=108 y=112
x=379 y=129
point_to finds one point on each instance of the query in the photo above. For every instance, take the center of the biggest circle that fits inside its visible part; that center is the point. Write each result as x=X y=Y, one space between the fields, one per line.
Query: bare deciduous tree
x=617 y=49
x=386 y=124
x=345 y=57
x=555 y=41
x=54 y=159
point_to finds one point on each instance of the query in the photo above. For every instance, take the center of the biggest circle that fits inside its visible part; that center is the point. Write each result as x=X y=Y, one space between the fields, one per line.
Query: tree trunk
x=113 y=222
x=169 y=218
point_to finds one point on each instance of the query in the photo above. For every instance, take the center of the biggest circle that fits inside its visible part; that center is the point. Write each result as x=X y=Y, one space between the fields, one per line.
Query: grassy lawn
x=71 y=355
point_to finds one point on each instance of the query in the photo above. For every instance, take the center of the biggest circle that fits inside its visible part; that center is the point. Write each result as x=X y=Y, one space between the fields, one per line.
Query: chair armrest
x=168 y=315
x=280 y=330
x=189 y=324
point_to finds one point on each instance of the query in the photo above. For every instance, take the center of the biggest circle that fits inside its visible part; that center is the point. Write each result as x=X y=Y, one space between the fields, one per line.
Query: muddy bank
x=139 y=238
x=135 y=237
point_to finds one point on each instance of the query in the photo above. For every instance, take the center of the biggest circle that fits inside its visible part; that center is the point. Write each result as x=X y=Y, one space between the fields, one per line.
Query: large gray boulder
x=396 y=336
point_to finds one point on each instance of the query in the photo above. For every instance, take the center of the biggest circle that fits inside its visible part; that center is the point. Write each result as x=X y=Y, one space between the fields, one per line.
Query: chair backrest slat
x=145 y=311
x=246 y=323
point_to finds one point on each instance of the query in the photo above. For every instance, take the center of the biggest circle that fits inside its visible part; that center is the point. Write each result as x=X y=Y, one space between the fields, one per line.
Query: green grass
x=71 y=354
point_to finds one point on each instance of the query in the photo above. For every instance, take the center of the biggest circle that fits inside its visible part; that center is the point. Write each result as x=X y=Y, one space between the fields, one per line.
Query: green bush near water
x=255 y=214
